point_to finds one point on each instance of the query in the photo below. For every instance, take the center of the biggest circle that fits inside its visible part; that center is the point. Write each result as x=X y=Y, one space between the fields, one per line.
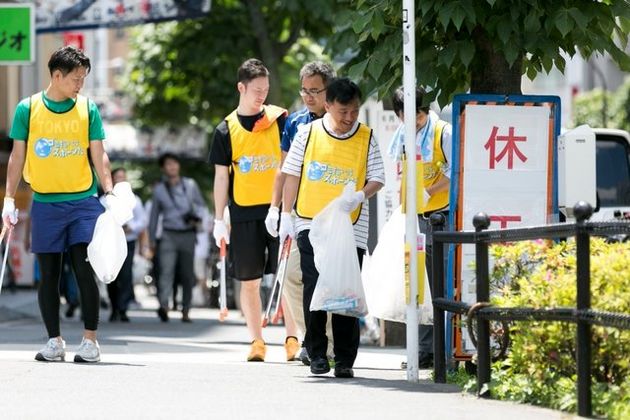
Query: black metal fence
x=582 y=314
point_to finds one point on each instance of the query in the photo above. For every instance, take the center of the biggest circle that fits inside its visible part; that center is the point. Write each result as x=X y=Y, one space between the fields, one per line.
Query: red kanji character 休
x=510 y=147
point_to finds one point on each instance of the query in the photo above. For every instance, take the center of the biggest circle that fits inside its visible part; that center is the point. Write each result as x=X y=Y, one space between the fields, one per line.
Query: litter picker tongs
x=275 y=297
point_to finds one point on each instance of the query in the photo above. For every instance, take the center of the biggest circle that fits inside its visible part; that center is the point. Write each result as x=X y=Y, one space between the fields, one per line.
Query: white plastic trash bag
x=339 y=288
x=108 y=249
x=384 y=276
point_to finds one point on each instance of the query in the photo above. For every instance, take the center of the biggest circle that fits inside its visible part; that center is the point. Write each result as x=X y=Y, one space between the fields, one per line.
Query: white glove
x=220 y=231
x=351 y=203
x=286 y=227
x=9 y=212
x=271 y=221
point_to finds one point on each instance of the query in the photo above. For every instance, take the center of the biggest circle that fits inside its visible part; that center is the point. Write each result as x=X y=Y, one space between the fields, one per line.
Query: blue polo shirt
x=294 y=121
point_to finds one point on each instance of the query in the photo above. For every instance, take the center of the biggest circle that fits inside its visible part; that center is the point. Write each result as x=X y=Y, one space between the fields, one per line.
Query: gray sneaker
x=88 y=352
x=53 y=351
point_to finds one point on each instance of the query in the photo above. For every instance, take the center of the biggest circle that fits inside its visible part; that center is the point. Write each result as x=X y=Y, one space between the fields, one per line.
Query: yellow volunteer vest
x=329 y=164
x=255 y=157
x=57 y=148
x=429 y=172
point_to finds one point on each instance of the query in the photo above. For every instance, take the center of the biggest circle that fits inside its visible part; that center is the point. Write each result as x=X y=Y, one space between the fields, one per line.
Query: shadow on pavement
x=100 y=364
x=394 y=384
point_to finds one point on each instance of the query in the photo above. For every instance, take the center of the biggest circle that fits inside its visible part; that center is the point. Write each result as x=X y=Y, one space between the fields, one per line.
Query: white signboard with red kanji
x=506 y=170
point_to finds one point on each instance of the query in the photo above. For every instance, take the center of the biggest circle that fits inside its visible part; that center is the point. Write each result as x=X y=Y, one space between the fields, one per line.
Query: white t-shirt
x=375 y=172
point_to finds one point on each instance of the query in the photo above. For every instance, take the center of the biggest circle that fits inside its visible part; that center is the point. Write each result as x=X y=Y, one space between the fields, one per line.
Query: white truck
x=594 y=166
x=613 y=174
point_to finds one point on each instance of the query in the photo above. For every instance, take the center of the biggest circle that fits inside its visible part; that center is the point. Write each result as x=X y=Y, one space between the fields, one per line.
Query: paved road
x=194 y=371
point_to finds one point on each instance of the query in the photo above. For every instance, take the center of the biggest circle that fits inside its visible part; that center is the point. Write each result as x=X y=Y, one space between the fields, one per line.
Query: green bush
x=620 y=107
x=588 y=107
x=540 y=367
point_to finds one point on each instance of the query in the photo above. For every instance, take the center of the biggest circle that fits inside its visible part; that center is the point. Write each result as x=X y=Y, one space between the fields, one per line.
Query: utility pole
x=411 y=231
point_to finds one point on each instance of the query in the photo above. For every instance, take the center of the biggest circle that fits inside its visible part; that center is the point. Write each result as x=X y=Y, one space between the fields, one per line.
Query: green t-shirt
x=19 y=132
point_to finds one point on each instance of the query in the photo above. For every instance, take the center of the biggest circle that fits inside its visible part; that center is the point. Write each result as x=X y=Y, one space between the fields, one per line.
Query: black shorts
x=253 y=251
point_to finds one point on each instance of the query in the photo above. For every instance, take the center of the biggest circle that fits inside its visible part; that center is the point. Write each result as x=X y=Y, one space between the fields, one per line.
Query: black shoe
x=163 y=314
x=343 y=372
x=70 y=311
x=425 y=360
x=185 y=317
x=104 y=304
x=114 y=316
x=319 y=366
x=124 y=317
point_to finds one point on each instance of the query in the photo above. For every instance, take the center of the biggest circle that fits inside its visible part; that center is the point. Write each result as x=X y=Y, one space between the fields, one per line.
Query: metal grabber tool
x=275 y=297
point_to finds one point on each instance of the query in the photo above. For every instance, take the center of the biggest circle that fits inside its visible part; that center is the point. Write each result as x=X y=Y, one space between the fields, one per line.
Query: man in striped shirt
x=314 y=78
x=324 y=156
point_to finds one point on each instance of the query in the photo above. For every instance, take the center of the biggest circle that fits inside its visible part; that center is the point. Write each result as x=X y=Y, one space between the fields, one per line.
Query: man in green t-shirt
x=58 y=149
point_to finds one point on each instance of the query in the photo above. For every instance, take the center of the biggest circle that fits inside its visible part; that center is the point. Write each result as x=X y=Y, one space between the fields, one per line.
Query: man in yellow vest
x=246 y=155
x=324 y=156
x=314 y=78
x=57 y=144
x=433 y=145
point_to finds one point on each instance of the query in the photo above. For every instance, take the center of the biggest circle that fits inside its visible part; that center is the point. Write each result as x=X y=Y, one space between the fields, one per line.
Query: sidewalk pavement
x=174 y=370
x=16 y=305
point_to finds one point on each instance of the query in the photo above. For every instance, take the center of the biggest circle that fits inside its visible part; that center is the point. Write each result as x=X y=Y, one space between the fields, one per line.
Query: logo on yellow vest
x=58 y=148
x=329 y=174
x=248 y=164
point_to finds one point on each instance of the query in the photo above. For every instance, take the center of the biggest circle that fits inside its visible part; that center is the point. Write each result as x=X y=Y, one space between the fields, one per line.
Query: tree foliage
x=483 y=45
x=185 y=72
x=589 y=108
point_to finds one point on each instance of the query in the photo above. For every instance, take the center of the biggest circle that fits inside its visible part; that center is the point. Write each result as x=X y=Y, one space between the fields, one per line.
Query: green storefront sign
x=17 y=33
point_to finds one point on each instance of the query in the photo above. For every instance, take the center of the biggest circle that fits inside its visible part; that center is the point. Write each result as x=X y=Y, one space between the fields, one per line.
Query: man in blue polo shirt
x=314 y=77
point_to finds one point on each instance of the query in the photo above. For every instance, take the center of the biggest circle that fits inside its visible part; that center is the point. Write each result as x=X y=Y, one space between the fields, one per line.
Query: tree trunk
x=493 y=74
x=267 y=50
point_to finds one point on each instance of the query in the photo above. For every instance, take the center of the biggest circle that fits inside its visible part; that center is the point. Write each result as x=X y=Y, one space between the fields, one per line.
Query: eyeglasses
x=311 y=92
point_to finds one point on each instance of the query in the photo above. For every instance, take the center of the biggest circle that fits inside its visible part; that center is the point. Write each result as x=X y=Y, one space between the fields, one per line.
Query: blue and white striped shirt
x=375 y=172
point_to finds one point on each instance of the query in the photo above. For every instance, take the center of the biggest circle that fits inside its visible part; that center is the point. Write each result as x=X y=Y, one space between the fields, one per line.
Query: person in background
x=178 y=200
x=434 y=144
x=120 y=291
x=202 y=255
x=151 y=250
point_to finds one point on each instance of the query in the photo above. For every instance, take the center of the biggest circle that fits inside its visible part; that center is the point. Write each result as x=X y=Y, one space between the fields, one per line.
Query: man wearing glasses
x=314 y=77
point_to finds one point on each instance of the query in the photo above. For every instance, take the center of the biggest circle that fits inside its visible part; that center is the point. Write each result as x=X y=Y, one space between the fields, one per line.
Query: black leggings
x=48 y=292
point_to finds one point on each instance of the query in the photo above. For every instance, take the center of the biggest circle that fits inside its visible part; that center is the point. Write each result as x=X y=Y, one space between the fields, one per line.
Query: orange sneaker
x=257 y=352
x=291 y=346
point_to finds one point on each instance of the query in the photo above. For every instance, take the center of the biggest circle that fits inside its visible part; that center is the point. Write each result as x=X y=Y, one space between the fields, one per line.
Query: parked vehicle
x=613 y=174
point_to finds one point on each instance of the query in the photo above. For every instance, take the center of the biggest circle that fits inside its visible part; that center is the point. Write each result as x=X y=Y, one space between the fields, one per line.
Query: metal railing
x=582 y=314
